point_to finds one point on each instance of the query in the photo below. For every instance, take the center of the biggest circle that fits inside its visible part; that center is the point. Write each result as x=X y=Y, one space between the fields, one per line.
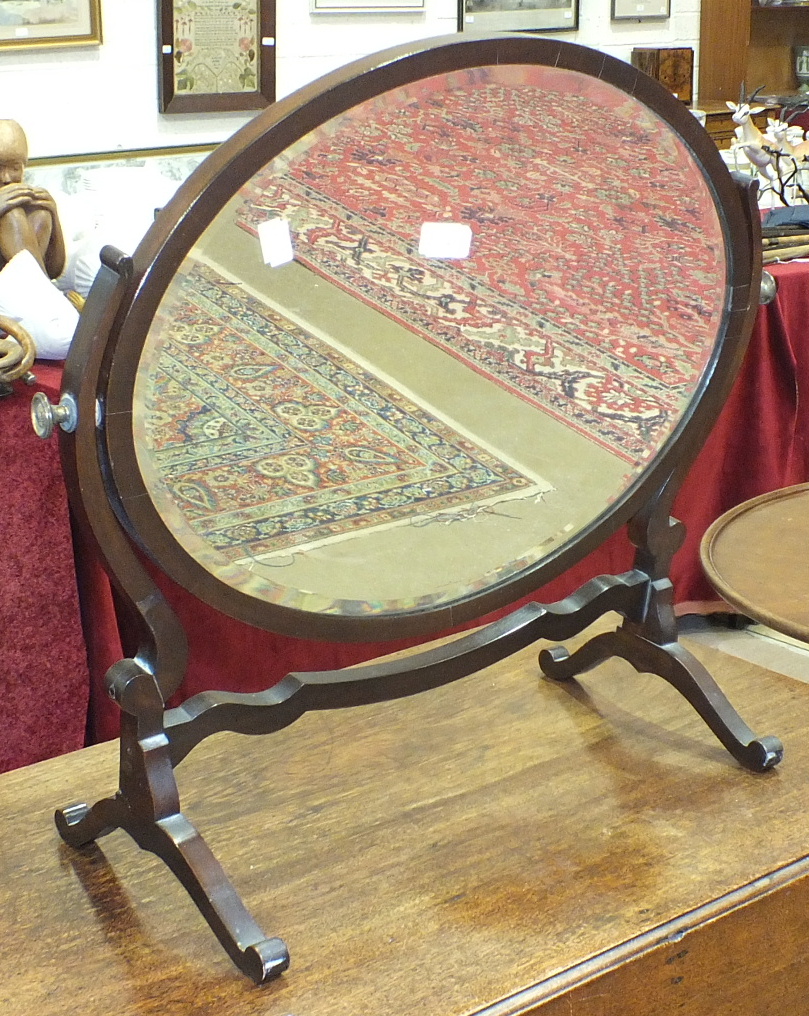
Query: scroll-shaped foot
x=79 y=825
x=266 y=960
x=675 y=664
x=558 y=664
x=177 y=842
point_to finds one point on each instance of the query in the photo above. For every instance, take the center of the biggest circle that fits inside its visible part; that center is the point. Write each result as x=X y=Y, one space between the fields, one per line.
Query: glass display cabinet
x=409 y=345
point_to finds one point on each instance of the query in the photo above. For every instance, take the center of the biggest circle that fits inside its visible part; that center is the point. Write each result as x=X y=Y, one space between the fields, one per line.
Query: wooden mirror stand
x=155 y=739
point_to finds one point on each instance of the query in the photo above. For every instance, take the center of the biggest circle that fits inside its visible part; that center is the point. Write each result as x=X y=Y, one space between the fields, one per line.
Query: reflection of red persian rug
x=596 y=278
x=267 y=439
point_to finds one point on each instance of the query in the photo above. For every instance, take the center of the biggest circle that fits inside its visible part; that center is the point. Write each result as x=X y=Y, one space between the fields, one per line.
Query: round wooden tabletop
x=757 y=558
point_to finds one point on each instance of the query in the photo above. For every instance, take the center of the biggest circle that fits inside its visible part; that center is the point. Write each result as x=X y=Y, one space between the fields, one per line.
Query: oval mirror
x=418 y=338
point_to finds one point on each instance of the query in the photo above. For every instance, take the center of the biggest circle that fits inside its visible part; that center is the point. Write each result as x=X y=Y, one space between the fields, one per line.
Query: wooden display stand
x=507 y=846
x=742 y=42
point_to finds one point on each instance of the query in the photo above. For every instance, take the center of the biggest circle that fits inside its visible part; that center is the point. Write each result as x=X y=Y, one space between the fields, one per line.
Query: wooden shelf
x=740 y=43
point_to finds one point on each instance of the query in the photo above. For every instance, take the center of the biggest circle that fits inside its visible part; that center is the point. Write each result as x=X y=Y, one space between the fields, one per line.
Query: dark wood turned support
x=147 y=808
x=647 y=640
x=675 y=664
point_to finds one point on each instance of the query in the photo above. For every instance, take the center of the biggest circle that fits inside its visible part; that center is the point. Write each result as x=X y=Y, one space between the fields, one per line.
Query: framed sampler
x=518 y=15
x=216 y=56
x=640 y=10
x=36 y=23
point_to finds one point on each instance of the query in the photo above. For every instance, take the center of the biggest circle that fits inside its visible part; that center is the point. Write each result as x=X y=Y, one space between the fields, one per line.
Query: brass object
x=17 y=353
x=76 y=299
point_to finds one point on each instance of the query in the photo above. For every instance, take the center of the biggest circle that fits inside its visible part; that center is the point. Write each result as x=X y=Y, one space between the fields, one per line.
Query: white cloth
x=28 y=296
x=82 y=265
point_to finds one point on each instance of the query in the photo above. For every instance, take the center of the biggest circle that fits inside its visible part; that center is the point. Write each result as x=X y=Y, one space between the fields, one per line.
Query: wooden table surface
x=757 y=557
x=501 y=845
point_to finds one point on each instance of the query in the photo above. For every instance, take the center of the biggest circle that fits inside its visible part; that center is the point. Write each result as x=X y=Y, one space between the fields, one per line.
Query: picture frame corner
x=82 y=30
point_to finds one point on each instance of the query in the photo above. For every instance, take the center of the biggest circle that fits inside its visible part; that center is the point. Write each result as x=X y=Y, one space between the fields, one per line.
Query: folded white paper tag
x=276 y=242
x=445 y=240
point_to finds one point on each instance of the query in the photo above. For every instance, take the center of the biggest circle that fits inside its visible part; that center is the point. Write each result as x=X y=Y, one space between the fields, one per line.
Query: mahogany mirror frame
x=234 y=162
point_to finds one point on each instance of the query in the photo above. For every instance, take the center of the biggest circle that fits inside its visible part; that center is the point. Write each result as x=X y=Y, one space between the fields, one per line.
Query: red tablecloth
x=760 y=443
x=43 y=665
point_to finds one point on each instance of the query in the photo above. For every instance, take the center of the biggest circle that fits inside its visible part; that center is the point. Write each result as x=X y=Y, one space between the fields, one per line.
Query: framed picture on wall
x=216 y=55
x=518 y=15
x=640 y=10
x=365 y=6
x=37 y=23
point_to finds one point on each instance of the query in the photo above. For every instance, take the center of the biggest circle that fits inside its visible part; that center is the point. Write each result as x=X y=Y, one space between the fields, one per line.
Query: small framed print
x=365 y=6
x=518 y=15
x=216 y=55
x=32 y=24
x=640 y=10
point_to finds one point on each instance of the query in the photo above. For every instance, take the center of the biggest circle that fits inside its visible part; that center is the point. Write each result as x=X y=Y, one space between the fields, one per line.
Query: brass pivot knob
x=45 y=416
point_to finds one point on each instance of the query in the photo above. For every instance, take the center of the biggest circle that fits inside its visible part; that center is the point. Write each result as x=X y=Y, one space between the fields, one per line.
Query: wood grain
x=755 y=556
x=504 y=845
x=741 y=42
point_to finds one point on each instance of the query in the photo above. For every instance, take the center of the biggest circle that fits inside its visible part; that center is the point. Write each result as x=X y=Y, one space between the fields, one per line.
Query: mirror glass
x=431 y=341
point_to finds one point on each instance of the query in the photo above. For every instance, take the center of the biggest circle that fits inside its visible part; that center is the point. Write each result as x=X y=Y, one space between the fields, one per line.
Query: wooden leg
x=675 y=664
x=147 y=808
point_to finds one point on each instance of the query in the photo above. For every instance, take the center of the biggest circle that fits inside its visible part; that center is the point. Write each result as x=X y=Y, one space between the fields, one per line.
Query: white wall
x=97 y=99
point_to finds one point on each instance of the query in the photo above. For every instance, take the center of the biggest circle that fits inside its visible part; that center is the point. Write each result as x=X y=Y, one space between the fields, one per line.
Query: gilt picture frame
x=518 y=15
x=640 y=10
x=215 y=56
x=35 y=24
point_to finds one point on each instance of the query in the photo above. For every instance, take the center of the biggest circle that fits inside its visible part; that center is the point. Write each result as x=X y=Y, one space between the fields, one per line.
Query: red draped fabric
x=44 y=686
x=761 y=440
x=760 y=443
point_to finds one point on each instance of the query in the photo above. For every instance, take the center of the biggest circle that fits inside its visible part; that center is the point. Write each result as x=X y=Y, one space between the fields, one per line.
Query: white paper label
x=21 y=33
x=276 y=242
x=445 y=240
